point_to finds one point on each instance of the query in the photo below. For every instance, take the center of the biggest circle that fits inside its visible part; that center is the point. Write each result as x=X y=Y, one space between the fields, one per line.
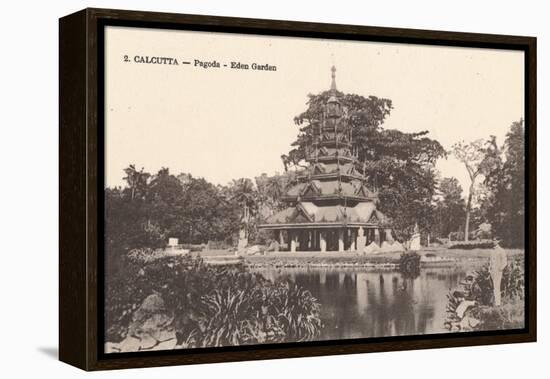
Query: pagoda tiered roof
x=361 y=214
x=324 y=171
x=332 y=191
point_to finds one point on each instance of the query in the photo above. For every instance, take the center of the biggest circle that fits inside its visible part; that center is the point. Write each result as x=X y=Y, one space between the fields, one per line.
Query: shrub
x=513 y=281
x=469 y=245
x=263 y=237
x=477 y=288
x=439 y=241
x=409 y=264
x=456 y=236
x=211 y=305
x=508 y=316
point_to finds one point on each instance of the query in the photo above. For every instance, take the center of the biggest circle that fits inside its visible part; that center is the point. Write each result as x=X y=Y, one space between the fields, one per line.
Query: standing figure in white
x=496 y=267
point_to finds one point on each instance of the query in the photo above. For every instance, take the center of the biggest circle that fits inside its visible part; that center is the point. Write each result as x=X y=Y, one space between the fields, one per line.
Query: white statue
x=497 y=264
x=243 y=241
x=361 y=240
x=415 y=239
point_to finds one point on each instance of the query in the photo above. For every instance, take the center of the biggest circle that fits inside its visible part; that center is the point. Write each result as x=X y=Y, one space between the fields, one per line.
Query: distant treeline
x=400 y=166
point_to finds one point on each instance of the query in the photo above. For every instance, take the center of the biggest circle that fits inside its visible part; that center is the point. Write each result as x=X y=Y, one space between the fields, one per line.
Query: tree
x=137 y=180
x=128 y=222
x=471 y=155
x=152 y=208
x=245 y=194
x=207 y=212
x=450 y=208
x=164 y=199
x=504 y=205
x=271 y=189
x=400 y=166
x=515 y=171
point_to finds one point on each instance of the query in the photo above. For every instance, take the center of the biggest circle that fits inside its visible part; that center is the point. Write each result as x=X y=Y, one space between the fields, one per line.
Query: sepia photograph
x=265 y=189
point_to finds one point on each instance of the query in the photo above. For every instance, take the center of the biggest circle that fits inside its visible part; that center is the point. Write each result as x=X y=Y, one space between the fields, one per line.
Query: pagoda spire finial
x=333 y=83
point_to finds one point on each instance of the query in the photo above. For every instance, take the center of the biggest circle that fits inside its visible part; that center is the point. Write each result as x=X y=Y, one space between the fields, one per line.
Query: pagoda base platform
x=347 y=239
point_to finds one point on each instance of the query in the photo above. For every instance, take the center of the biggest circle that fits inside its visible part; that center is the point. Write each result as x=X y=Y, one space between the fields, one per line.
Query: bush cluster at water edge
x=471 y=307
x=199 y=305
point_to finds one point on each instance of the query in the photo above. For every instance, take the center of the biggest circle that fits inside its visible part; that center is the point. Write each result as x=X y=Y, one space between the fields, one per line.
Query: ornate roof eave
x=330 y=197
x=320 y=225
x=334 y=158
x=330 y=175
x=300 y=208
x=330 y=128
x=335 y=143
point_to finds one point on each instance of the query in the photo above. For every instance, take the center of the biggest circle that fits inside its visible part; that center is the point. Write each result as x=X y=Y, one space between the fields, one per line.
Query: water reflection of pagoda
x=331 y=205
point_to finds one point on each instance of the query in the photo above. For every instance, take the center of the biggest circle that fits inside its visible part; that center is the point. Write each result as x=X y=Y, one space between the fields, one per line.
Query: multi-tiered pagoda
x=331 y=207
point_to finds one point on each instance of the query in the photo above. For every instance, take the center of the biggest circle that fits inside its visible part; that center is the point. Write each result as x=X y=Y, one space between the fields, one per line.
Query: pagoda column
x=352 y=240
x=377 y=236
x=317 y=242
x=281 y=237
x=322 y=241
x=314 y=243
x=341 y=240
x=292 y=240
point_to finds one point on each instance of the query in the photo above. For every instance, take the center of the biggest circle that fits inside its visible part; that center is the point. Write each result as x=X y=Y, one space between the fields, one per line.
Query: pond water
x=375 y=303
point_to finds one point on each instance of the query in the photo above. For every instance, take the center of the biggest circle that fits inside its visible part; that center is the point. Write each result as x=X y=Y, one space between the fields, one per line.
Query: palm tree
x=246 y=195
x=274 y=190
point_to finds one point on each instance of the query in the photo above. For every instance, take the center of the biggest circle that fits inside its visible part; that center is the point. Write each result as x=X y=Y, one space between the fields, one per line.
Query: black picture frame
x=81 y=41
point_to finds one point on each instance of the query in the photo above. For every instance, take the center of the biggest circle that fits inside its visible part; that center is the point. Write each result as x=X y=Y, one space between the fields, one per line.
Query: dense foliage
x=209 y=305
x=409 y=264
x=147 y=211
x=495 y=204
x=504 y=202
x=450 y=209
x=477 y=288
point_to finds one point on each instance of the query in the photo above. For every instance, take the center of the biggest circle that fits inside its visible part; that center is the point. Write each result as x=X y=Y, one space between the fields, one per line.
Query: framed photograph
x=241 y=189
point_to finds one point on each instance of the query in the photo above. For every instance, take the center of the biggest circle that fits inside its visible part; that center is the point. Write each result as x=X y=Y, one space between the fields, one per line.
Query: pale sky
x=224 y=124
